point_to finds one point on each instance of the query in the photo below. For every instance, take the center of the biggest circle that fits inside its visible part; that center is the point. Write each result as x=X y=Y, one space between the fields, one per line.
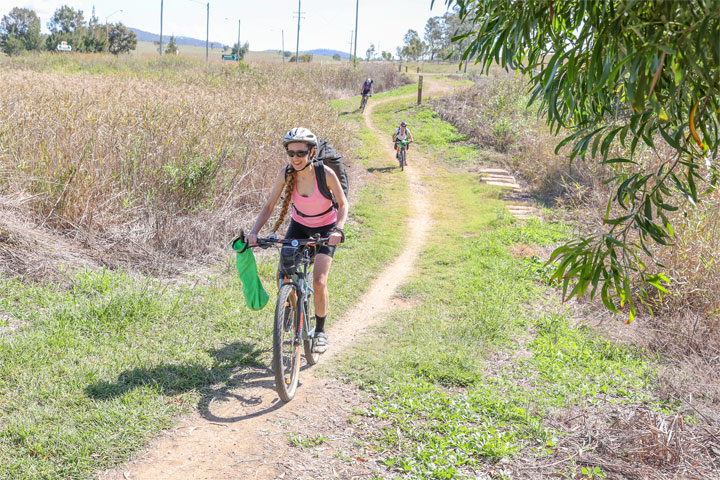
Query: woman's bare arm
x=270 y=203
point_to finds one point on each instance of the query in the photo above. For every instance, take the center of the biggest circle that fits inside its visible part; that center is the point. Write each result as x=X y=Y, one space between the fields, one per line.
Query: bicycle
x=363 y=102
x=402 y=153
x=294 y=321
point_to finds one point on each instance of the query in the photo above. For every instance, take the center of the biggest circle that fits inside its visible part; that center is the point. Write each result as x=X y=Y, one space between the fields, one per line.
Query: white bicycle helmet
x=369 y=80
x=300 y=134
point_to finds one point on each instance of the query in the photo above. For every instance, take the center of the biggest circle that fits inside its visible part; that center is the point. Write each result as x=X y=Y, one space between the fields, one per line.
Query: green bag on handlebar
x=255 y=295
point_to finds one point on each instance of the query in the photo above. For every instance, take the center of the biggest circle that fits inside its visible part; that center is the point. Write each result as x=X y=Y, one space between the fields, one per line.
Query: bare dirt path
x=244 y=434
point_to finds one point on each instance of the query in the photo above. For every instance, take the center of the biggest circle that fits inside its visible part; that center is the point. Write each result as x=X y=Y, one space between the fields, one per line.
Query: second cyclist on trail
x=402 y=133
x=366 y=91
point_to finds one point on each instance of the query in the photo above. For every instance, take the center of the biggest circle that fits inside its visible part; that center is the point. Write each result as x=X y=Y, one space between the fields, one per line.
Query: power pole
x=238 y=50
x=161 y=15
x=282 y=53
x=297 y=45
x=207 y=33
x=352 y=32
x=357 y=9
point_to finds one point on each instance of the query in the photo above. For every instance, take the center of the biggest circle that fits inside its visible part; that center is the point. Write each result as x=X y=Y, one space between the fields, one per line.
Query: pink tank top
x=315 y=204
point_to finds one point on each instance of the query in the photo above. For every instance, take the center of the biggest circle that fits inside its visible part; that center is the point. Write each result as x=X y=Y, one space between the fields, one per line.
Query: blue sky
x=327 y=23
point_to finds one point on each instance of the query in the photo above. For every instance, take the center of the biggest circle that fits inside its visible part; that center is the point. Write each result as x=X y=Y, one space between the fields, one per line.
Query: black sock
x=320 y=323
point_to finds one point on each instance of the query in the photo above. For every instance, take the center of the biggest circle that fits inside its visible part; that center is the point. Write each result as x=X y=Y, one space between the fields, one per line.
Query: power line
x=357 y=9
x=297 y=45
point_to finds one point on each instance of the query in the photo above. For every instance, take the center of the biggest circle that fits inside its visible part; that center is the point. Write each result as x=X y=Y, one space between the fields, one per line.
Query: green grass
x=467 y=375
x=306 y=441
x=432 y=135
x=107 y=359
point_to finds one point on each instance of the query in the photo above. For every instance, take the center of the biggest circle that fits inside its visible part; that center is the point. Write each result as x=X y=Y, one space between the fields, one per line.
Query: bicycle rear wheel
x=286 y=343
x=310 y=356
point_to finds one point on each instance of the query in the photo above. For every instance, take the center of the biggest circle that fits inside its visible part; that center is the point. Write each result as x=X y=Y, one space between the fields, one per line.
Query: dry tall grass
x=494 y=116
x=343 y=80
x=169 y=154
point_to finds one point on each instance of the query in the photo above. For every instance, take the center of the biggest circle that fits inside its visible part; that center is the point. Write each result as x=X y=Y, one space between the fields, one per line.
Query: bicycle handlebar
x=271 y=242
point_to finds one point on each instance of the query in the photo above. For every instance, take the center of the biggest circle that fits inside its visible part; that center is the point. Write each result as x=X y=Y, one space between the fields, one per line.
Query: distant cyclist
x=367 y=87
x=402 y=133
x=366 y=91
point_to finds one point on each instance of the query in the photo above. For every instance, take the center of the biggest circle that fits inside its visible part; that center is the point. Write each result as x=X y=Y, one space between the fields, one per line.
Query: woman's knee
x=319 y=283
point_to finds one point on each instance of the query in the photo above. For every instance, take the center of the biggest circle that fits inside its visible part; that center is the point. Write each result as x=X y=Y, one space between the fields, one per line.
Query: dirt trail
x=243 y=434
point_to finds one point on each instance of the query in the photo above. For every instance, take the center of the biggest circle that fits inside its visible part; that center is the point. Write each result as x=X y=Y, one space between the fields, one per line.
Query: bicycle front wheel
x=286 y=343
x=402 y=158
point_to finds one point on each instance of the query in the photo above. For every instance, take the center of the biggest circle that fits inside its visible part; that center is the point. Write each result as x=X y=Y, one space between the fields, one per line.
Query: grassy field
x=466 y=382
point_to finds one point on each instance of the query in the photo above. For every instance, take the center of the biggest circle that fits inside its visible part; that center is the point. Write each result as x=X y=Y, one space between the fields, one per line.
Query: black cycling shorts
x=300 y=231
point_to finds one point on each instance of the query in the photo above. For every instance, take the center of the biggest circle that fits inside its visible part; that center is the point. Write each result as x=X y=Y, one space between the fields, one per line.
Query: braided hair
x=289 y=185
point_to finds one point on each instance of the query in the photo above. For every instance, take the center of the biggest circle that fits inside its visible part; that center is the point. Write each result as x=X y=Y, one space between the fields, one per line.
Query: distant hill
x=144 y=36
x=319 y=51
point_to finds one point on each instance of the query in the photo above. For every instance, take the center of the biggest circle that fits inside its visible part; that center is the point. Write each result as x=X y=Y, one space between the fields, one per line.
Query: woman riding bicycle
x=312 y=214
x=402 y=133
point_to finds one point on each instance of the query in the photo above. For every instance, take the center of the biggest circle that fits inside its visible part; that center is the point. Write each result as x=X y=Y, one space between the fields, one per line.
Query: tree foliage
x=413 y=47
x=66 y=20
x=20 y=31
x=122 y=39
x=435 y=35
x=370 y=53
x=635 y=82
x=172 y=48
x=67 y=25
x=96 y=37
x=241 y=51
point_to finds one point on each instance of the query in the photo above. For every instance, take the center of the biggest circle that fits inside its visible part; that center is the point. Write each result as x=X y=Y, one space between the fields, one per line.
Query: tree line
x=436 y=44
x=20 y=32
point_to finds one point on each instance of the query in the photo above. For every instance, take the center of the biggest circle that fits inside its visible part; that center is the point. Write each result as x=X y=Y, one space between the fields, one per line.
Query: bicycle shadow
x=381 y=169
x=236 y=375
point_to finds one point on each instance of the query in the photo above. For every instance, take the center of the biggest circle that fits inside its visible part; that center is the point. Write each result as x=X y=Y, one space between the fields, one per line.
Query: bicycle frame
x=299 y=280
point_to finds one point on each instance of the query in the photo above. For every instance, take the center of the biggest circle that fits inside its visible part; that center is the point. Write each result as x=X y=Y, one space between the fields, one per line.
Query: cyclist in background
x=402 y=133
x=367 y=88
x=312 y=214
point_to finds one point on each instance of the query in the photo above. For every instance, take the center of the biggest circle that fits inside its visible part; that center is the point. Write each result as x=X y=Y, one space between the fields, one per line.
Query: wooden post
x=420 y=78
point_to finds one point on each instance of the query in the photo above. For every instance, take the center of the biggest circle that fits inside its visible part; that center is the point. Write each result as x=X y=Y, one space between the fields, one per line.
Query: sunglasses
x=297 y=153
